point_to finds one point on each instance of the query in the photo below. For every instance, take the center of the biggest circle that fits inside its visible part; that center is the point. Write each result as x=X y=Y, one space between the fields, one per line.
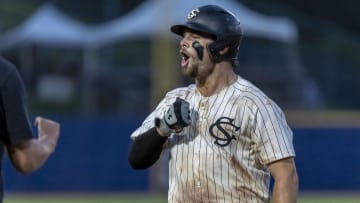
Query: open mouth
x=184 y=59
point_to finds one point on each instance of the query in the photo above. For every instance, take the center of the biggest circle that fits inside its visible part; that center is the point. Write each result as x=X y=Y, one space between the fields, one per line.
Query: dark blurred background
x=101 y=91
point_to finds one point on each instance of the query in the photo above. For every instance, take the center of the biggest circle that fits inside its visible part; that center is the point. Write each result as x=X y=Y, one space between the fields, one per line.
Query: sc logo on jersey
x=220 y=124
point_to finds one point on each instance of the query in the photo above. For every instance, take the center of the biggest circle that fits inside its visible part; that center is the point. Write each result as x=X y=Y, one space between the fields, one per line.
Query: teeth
x=184 y=61
x=184 y=58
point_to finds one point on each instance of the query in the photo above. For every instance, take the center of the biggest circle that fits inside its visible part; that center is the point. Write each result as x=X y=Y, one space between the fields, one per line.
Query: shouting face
x=195 y=59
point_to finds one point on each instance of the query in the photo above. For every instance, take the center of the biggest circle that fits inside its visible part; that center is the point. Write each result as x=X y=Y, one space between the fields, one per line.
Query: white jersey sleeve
x=271 y=133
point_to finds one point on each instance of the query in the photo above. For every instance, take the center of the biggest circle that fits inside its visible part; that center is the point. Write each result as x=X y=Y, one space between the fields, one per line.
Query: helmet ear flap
x=215 y=48
x=214 y=51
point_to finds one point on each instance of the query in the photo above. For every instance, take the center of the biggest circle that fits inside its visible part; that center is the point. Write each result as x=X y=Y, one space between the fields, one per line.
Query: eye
x=195 y=36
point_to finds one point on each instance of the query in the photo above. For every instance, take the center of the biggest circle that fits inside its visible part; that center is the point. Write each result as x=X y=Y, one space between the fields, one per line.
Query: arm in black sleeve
x=146 y=149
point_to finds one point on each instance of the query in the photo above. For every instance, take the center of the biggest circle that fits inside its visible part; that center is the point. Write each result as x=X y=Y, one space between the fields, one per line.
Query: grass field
x=143 y=198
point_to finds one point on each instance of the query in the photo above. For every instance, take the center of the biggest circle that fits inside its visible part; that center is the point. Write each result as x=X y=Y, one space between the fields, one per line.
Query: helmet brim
x=179 y=29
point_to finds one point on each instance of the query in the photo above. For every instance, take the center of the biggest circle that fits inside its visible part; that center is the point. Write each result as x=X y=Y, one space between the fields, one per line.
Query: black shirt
x=15 y=125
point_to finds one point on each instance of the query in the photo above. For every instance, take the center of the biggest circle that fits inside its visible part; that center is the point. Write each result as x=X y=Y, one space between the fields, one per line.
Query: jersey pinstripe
x=222 y=155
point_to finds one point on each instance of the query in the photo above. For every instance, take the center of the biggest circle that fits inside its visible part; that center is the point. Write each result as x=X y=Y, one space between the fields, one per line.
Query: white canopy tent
x=155 y=16
x=50 y=27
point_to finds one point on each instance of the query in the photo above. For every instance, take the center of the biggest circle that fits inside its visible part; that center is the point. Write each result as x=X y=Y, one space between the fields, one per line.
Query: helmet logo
x=193 y=13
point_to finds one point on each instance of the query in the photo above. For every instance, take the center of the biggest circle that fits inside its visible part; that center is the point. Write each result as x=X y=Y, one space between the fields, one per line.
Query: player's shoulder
x=249 y=91
x=181 y=92
x=6 y=68
x=245 y=87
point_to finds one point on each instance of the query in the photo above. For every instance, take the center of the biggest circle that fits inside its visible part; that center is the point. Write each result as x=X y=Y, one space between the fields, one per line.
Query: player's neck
x=217 y=81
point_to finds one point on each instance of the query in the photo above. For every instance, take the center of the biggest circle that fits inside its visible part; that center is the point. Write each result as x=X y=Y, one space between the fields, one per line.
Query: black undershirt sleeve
x=16 y=127
x=146 y=149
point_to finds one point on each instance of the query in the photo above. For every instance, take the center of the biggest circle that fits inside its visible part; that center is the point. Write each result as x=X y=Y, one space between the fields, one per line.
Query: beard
x=194 y=72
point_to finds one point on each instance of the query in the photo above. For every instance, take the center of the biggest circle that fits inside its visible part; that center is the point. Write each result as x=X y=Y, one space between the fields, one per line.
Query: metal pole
x=165 y=75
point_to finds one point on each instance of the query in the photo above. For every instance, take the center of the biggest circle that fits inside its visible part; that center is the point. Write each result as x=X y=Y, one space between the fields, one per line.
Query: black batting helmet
x=218 y=22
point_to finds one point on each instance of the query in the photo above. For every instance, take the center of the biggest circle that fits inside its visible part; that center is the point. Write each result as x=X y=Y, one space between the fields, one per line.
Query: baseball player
x=26 y=152
x=226 y=138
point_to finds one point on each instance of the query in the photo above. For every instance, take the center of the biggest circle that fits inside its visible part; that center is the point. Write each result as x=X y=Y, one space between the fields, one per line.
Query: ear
x=224 y=50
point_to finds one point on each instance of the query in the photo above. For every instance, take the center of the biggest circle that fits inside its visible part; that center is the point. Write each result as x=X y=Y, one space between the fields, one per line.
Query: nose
x=184 y=42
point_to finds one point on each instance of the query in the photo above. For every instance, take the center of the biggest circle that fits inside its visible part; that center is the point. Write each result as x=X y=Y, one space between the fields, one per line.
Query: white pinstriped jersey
x=222 y=155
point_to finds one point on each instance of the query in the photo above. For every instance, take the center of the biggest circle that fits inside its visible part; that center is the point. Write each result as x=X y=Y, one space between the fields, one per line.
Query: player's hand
x=48 y=131
x=176 y=117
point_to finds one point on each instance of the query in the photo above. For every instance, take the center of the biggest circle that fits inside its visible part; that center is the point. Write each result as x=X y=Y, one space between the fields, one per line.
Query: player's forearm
x=286 y=189
x=30 y=156
x=146 y=149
